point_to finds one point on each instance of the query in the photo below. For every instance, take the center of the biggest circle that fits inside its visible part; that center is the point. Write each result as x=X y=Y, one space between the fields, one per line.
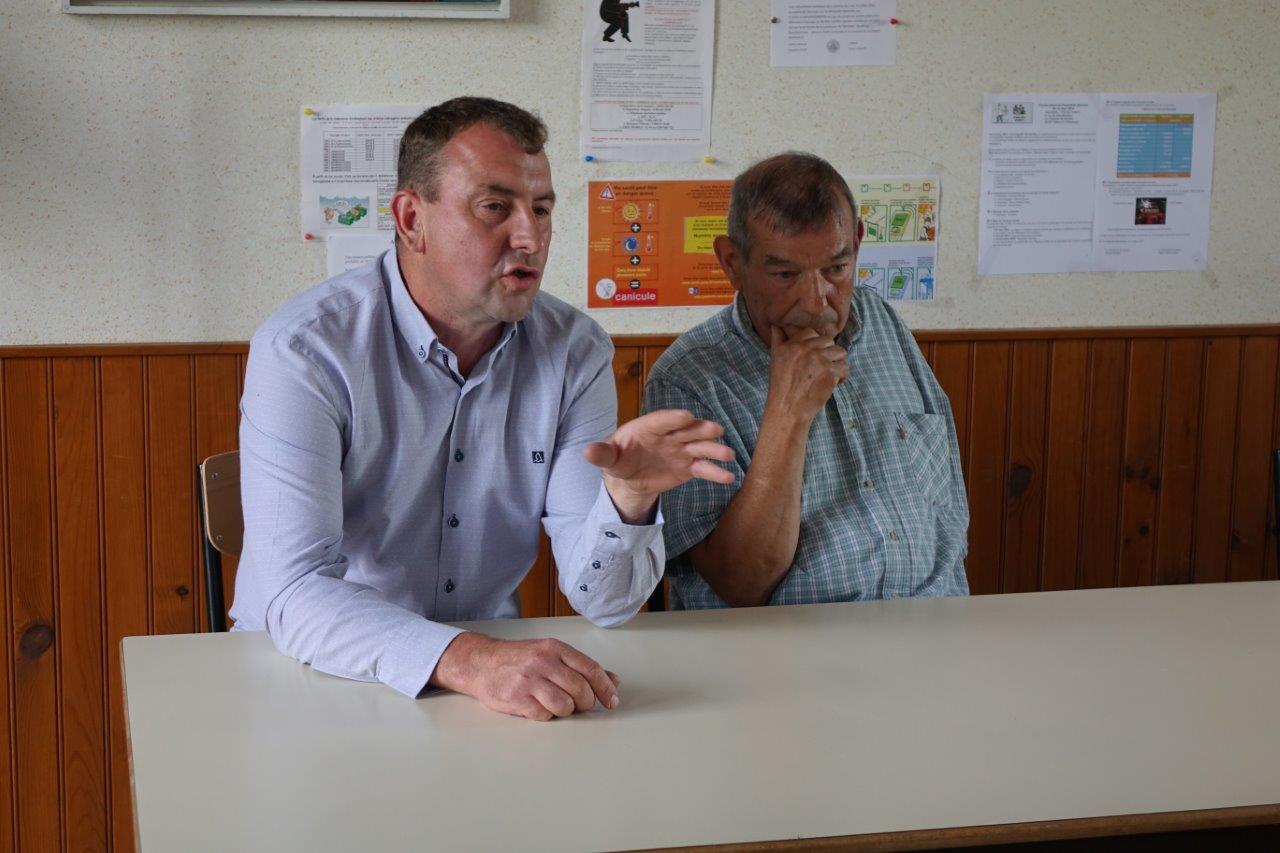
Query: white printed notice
x=900 y=235
x=349 y=251
x=1089 y=182
x=808 y=33
x=646 y=79
x=1155 y=173
x=348 y=167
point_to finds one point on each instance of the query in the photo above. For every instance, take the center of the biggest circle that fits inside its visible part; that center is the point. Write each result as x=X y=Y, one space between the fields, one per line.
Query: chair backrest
x=221 y=525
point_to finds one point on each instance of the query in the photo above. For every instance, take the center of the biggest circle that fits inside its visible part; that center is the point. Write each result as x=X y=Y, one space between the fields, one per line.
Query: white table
x=1033 y=716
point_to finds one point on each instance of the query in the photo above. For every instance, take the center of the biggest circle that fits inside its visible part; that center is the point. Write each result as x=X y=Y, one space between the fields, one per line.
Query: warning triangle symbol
x=607 y=192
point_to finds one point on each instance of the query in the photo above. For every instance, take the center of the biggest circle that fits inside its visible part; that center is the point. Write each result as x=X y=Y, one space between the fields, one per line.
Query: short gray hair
x=791 y=192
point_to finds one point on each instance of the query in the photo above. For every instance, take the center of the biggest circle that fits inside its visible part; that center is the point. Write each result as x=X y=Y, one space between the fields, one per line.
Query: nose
x=813 y=296
x=526 y=232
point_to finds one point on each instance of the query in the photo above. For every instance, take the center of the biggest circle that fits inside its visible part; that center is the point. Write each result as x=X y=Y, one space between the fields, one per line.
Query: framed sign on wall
x=299 y=8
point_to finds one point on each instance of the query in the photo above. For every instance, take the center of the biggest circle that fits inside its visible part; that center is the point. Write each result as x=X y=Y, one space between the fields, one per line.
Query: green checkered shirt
x=883 y=510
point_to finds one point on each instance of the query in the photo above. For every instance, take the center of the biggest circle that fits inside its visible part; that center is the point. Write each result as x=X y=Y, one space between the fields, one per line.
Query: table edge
x=1010 y=833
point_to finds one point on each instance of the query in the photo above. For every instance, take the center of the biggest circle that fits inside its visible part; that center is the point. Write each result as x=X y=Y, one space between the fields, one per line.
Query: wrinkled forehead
x=816 y=245
x=483 y=155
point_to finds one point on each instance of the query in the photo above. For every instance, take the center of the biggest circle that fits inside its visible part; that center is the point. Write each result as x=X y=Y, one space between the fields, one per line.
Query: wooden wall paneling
x=1104 y=429
x=1272 y=570
x=1179 y=440
x=29 y=495
x=1024 y=505
x=1251 y=477
x=124 y=525
x=989 y=428
x=8 y=779
x=535 y=589
x=171 y=494
x=1064 y=464
x=1211 y=535
x=1144 y=403
x=951 y=363
x=217 y=396
x=81 y=647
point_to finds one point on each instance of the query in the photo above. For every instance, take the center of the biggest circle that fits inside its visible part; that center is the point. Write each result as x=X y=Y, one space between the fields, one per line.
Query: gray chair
x=221 y=526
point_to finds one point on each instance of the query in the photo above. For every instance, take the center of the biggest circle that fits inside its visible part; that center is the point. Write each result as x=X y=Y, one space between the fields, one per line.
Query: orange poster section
x=649 y=243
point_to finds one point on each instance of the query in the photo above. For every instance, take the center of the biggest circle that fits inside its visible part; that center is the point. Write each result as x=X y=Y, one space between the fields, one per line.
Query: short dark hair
x=791 y=192
x=419 y=162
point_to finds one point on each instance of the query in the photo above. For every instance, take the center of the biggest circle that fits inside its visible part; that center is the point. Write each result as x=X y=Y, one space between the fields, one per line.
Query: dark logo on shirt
x=539 y=456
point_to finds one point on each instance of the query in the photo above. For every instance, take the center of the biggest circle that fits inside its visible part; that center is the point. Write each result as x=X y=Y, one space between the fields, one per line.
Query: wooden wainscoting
x=1093 y=458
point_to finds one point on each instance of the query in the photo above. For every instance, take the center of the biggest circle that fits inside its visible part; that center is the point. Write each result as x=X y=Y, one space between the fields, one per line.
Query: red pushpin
x=894 y=21
x=306 y=236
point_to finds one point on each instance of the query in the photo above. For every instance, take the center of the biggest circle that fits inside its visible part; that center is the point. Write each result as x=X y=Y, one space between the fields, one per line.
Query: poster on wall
x=813 y=33
x=899 y=249
x=649 y=243
x=1095 y=182
x=646 y=79
x=348 y=167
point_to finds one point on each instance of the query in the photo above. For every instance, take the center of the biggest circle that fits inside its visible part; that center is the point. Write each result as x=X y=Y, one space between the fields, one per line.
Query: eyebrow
x=774 y=260
x=549 y=195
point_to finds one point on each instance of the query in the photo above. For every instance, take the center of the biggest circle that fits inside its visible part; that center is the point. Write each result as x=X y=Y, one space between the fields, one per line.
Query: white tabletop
x=747 y=725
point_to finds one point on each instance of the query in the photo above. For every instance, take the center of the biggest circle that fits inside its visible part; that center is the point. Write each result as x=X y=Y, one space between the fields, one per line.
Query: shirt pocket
x=925 y=441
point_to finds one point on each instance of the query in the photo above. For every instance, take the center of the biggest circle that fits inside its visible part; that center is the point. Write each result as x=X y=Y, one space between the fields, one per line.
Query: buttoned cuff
x=411 y=656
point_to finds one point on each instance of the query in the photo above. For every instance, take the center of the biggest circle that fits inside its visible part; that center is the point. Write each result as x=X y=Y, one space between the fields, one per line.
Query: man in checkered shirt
x=847 y=481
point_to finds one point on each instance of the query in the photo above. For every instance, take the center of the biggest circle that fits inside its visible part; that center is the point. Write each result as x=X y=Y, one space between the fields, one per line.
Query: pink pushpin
x=306 y=236
x=894 y=21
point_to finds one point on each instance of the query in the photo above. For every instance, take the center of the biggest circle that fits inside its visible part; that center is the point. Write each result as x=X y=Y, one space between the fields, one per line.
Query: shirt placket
x=456 y=515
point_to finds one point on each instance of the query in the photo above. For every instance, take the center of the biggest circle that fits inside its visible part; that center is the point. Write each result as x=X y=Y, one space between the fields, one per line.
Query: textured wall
x=148 y=165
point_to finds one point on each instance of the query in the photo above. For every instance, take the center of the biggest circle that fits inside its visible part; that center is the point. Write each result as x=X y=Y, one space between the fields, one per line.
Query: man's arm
x=753 y=544
x=292 y=445
x=291 y=449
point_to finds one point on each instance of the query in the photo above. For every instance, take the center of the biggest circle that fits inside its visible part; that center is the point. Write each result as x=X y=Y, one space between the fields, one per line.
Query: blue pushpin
x=589 y=158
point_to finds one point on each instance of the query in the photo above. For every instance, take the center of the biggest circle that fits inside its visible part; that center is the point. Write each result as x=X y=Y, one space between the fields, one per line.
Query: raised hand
x=657 y=452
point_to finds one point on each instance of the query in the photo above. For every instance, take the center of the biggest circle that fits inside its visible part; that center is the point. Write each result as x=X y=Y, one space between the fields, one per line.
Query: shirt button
x=893 y=534
x=868 y=484
x=458 y=456
x=611 y=534
x=595 y=564
x=453 y=521
x=449 y=586
x=583 y=587
x=851 y=424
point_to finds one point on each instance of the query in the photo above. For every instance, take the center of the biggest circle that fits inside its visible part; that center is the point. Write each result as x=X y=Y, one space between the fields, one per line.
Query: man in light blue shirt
x=407 y=425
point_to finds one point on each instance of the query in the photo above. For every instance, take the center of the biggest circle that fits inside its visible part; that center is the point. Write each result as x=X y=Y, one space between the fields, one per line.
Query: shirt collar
x=742 y=324
x=409 y=320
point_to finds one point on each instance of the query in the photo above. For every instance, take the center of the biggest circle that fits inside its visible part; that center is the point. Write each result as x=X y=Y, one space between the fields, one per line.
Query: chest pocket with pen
x=925 y=450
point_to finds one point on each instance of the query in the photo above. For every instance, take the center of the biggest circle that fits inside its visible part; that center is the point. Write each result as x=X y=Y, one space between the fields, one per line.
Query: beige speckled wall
x=148 y=165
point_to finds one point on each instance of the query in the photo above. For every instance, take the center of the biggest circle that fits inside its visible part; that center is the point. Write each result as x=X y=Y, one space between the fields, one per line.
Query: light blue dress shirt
x=385 y=494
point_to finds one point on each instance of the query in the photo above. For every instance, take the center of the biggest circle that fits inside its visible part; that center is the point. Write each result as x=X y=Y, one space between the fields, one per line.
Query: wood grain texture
x=81 y=647
x=126 y=559
x=1092 y=458
x=33 y=621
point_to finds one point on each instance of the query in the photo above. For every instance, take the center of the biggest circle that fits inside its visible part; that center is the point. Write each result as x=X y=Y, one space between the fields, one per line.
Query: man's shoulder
x=332 y=311
x=703 y=350
x=554 y=325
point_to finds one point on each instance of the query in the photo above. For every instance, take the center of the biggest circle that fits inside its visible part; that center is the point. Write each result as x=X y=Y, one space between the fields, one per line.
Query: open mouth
x=522 y=276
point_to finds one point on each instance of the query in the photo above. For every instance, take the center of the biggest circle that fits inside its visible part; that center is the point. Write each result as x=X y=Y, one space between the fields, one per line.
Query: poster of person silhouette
x=646 y=80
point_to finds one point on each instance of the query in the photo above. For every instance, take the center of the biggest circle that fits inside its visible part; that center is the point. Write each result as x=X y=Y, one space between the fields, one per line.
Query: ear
x=858 y=231
x=406 y=209
x=731 y=260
